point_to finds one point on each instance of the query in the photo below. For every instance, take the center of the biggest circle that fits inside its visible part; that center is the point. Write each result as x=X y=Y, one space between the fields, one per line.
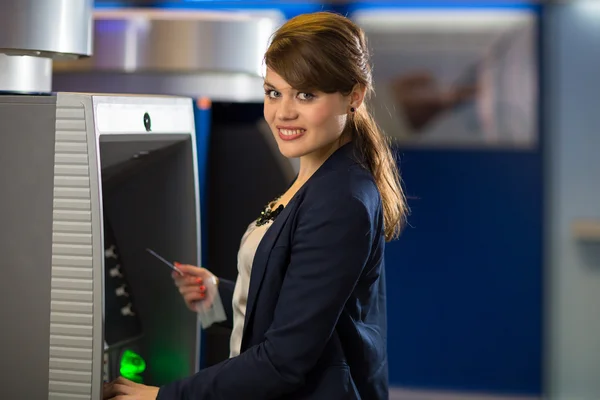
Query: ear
x=357 y=96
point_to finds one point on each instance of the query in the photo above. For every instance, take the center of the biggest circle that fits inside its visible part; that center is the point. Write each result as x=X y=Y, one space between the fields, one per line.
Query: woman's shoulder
x=341 y=186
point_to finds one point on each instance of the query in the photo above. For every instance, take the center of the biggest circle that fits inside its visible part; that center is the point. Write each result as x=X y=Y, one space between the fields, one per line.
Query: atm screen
x=148 y=202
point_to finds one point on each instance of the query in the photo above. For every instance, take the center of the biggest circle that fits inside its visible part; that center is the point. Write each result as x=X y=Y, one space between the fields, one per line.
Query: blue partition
x=465 y=279
x=202 y=114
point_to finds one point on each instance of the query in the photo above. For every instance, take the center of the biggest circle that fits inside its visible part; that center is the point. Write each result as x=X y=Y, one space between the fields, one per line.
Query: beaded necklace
x=269 y=214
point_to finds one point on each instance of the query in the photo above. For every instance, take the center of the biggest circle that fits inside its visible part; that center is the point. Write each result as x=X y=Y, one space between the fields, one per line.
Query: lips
x=290 y=133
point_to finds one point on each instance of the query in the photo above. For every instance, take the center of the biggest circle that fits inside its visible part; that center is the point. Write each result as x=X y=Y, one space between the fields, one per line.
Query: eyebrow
x=271 y=86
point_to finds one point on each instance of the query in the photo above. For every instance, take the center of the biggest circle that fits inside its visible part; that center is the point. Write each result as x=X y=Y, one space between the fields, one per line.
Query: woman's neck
x=310 y=163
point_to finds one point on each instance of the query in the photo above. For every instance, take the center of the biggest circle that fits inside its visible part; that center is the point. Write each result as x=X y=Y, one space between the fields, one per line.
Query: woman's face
x=303 y=123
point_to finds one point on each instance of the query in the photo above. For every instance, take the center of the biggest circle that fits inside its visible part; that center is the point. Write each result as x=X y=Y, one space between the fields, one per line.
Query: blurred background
x=493 y=110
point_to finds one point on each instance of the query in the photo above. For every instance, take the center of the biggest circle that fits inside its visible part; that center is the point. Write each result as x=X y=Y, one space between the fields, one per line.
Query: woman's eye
x=305 y=96
x=272 y=93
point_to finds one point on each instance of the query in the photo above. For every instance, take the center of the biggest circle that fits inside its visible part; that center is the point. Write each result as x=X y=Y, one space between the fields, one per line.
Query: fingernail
x=199 y=280
x=202 y=295
x=202 y=288
x=176 y=264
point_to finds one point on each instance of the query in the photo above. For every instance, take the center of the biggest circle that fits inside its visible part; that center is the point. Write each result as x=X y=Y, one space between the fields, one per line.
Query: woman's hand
x=124 y=389
x=192 y=285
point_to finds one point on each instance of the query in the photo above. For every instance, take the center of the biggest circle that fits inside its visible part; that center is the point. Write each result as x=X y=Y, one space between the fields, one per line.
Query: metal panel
x=178 y=41
x=217 y=54
x=33 y=32
x=72 y=273
x=27 y=154
x=46 y=28
x=25 y=73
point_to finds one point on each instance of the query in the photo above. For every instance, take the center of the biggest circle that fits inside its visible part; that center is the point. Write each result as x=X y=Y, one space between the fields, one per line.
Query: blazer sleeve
x=226 y=288
x=330 y=247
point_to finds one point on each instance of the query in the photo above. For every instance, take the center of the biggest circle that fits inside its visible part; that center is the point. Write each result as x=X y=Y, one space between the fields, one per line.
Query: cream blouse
x=248 y=246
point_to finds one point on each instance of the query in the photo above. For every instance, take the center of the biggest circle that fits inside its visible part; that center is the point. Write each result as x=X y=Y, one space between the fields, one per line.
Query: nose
x=286 y=110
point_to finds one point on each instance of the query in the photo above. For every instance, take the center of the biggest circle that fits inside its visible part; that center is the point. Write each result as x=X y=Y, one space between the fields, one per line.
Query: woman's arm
x=330 y=248
x=226 y=288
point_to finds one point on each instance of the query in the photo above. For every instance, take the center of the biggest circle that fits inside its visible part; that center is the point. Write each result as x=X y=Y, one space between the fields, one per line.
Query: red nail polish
x=199 y=280
x=176 y=264
x=202 y=295
x=202 y=288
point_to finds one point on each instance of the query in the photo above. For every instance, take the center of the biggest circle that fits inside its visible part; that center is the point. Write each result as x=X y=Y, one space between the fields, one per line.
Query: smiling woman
x=303 y=122
x=308 y=313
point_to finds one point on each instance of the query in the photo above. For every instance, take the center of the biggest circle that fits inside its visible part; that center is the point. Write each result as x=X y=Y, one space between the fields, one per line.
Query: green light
x=132 y=365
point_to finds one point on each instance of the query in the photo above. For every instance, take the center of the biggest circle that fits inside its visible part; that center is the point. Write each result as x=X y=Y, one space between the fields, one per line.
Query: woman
x=309 y=312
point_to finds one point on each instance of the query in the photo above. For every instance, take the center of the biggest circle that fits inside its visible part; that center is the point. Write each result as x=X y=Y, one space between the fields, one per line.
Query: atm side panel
x=76 y=310
x=26 y=176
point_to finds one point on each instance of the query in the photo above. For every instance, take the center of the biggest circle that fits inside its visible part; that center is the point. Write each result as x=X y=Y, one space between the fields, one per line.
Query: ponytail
x=375 y=149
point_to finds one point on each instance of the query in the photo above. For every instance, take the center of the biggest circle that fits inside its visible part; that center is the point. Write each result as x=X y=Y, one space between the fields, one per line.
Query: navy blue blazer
x=315 y=325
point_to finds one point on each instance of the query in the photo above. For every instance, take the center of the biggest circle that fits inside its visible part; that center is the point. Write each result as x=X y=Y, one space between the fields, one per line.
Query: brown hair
x=327 y=52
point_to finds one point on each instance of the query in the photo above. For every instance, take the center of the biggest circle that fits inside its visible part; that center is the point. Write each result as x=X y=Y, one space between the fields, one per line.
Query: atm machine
x=218 y=61
x=89 y=182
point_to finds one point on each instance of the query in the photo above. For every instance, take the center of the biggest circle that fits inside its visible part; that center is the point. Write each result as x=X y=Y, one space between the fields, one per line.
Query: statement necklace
x=269 y=214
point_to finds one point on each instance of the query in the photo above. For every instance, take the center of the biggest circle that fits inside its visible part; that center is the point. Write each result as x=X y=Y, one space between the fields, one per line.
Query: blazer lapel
x=261 y=258
x=340 y=159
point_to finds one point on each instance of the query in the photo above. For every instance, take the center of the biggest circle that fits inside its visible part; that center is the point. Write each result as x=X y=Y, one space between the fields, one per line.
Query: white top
x=248 y=246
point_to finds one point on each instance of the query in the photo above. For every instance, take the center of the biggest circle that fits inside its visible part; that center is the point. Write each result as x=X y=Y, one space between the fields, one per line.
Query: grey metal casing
x=218 y=54
x=33 y=33
x=54 y=150
x=47 y=28
x=26 y=181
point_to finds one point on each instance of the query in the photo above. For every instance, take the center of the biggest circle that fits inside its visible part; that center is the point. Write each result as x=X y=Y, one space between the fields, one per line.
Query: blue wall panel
x=202 y=122
x=464 y=280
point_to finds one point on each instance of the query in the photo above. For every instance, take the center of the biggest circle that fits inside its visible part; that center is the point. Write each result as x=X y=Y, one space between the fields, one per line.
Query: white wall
x=572 y=136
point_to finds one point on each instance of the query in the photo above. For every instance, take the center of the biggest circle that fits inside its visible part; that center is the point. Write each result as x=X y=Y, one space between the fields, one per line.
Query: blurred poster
x=454 y=78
